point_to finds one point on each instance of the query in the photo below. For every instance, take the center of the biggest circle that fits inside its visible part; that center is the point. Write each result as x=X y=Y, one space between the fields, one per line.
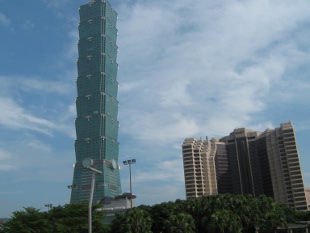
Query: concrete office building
x=246 y=162
x=96 y=103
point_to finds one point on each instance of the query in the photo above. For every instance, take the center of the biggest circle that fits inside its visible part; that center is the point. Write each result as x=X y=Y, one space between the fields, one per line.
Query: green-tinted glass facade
x=96 y=103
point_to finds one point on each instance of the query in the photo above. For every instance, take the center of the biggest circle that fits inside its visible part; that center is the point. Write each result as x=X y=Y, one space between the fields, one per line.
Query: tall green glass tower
x=96 y=103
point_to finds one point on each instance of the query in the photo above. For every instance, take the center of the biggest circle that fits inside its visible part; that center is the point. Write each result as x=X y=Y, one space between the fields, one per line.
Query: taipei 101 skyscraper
x=96 y=103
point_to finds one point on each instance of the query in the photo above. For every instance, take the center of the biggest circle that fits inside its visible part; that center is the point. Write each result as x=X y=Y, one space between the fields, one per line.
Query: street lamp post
x=49 y=206
x=129 y=162
x=73 y=186
x=87 y=163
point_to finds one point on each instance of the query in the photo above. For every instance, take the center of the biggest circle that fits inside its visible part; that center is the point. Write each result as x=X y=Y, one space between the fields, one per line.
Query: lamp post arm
x=92 y=186
x=130 y=185
x=94 y=170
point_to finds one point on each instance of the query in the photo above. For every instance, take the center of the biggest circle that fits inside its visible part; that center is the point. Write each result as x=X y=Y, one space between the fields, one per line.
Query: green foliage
x=133 y=221
x=30 y=220
x=212 y=214
x=179 y=223
x=71 y=218
x=302 y=216
x=225 y=213
x=161 y=213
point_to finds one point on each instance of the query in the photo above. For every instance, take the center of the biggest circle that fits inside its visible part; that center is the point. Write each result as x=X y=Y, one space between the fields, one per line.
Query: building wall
x=222 y=169
x=260 y=148
x=292 y=173
x=209 y=152
x=199 y=167
x=193 y=167
x=307 y=191
x=96 y=102
x=243 y=161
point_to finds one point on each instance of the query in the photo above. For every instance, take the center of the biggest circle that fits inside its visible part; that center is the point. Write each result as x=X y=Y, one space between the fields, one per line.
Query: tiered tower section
x=96 y=103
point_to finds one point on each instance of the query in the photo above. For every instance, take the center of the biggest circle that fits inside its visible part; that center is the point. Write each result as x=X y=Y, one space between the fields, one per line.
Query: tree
x=30 y=220
x=161 y=212
x=272 y=214
x=179 y=223
x=71 y=218
x=133 y=221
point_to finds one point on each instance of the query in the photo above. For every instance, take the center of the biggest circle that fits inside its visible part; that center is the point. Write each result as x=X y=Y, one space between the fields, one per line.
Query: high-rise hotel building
x=246 y=162
x=96 y=103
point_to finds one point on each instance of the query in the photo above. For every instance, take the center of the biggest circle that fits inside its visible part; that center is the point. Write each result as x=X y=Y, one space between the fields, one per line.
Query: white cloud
x=162 y=180
x=38 y=145
x=160 y=193
x=55 y=3
x=44 y=112
x=33 y=154
x=31 y=84
x=4 y=20
x=162 y=171
x=14 y=116
x=28 y=25
x=158 y=128
x=205 y=67
x=5 y=165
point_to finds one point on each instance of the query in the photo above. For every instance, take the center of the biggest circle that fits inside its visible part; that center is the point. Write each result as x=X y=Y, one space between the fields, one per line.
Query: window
x=85 y=186
x=113 y=187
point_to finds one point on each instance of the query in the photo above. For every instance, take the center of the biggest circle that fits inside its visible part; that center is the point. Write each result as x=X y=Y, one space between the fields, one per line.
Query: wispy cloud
x=4 y=20
x=31 y=84
x=190 y=69
x=4 y=161
x=205 y=67
x=166 y=170
x=55 y=3
x=14 y=116
x=28 y=25
x=157 y=181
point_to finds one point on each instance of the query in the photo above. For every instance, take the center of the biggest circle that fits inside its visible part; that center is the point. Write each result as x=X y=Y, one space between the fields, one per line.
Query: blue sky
x=186 y=68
